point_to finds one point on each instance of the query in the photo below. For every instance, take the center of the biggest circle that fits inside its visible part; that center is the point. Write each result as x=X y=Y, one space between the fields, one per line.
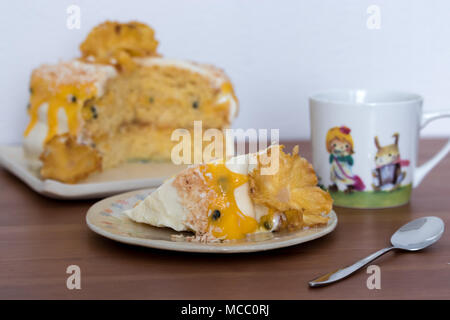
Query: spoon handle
x=339 y=274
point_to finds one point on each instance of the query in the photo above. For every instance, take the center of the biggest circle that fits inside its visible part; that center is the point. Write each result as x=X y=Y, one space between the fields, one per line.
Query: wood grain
x=40 y=237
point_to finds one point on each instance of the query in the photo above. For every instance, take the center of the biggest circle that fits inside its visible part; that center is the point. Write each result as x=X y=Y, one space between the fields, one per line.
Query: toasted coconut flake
x=195 y=196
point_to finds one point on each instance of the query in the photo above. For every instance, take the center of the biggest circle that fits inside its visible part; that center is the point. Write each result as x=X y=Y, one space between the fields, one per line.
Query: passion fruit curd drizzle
x=70 y=98
x=226 y=220
x=227 y=88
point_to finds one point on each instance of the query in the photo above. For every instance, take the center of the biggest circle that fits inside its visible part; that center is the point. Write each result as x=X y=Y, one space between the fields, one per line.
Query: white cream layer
x=162 y=208
x=33 y=143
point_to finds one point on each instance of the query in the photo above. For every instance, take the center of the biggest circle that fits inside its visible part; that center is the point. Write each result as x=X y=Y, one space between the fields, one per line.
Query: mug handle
x=423 y=170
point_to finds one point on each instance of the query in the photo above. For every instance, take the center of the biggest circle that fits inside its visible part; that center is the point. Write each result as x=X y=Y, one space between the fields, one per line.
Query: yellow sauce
x=227 y=87
x=231 y=223
x=68 y=97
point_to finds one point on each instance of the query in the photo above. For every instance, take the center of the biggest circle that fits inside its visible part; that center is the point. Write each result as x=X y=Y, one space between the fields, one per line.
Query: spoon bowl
x=418 y=234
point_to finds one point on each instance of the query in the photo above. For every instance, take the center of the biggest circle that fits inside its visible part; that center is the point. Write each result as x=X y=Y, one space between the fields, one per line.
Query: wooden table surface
x=41 y=237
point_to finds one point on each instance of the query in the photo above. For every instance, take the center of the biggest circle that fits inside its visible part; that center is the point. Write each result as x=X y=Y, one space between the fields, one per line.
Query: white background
x=276 y=52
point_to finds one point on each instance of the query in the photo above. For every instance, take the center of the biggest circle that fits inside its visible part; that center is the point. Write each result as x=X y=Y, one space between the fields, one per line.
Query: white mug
x=365 y=145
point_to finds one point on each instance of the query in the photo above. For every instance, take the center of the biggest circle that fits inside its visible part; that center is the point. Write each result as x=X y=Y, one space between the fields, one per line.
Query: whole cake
x=120 y=101
x=228 y=200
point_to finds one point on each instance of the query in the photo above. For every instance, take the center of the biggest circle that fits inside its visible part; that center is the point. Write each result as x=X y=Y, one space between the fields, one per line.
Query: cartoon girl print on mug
x=340 y=146
x=388 y=174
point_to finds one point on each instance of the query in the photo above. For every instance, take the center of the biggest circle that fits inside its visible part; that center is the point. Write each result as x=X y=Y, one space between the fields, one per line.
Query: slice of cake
x=119 y=102
x=227 y=200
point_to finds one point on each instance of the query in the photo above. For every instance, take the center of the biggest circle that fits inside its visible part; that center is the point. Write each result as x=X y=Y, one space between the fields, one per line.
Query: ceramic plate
x=107 y=219
x=130 y=176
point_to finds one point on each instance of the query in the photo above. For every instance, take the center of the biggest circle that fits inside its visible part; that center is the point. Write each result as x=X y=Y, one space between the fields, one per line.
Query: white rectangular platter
x=129 y=176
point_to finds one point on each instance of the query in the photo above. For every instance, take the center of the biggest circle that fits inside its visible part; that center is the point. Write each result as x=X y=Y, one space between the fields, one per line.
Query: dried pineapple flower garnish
x=118 y=43
x=292 y=189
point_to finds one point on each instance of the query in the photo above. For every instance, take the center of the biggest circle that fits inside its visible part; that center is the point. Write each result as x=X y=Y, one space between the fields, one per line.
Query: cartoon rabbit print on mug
x=340 y=146
x=388 y=174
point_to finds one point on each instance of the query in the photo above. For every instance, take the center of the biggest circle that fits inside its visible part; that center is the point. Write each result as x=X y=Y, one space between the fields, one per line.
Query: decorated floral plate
x=106 y=218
